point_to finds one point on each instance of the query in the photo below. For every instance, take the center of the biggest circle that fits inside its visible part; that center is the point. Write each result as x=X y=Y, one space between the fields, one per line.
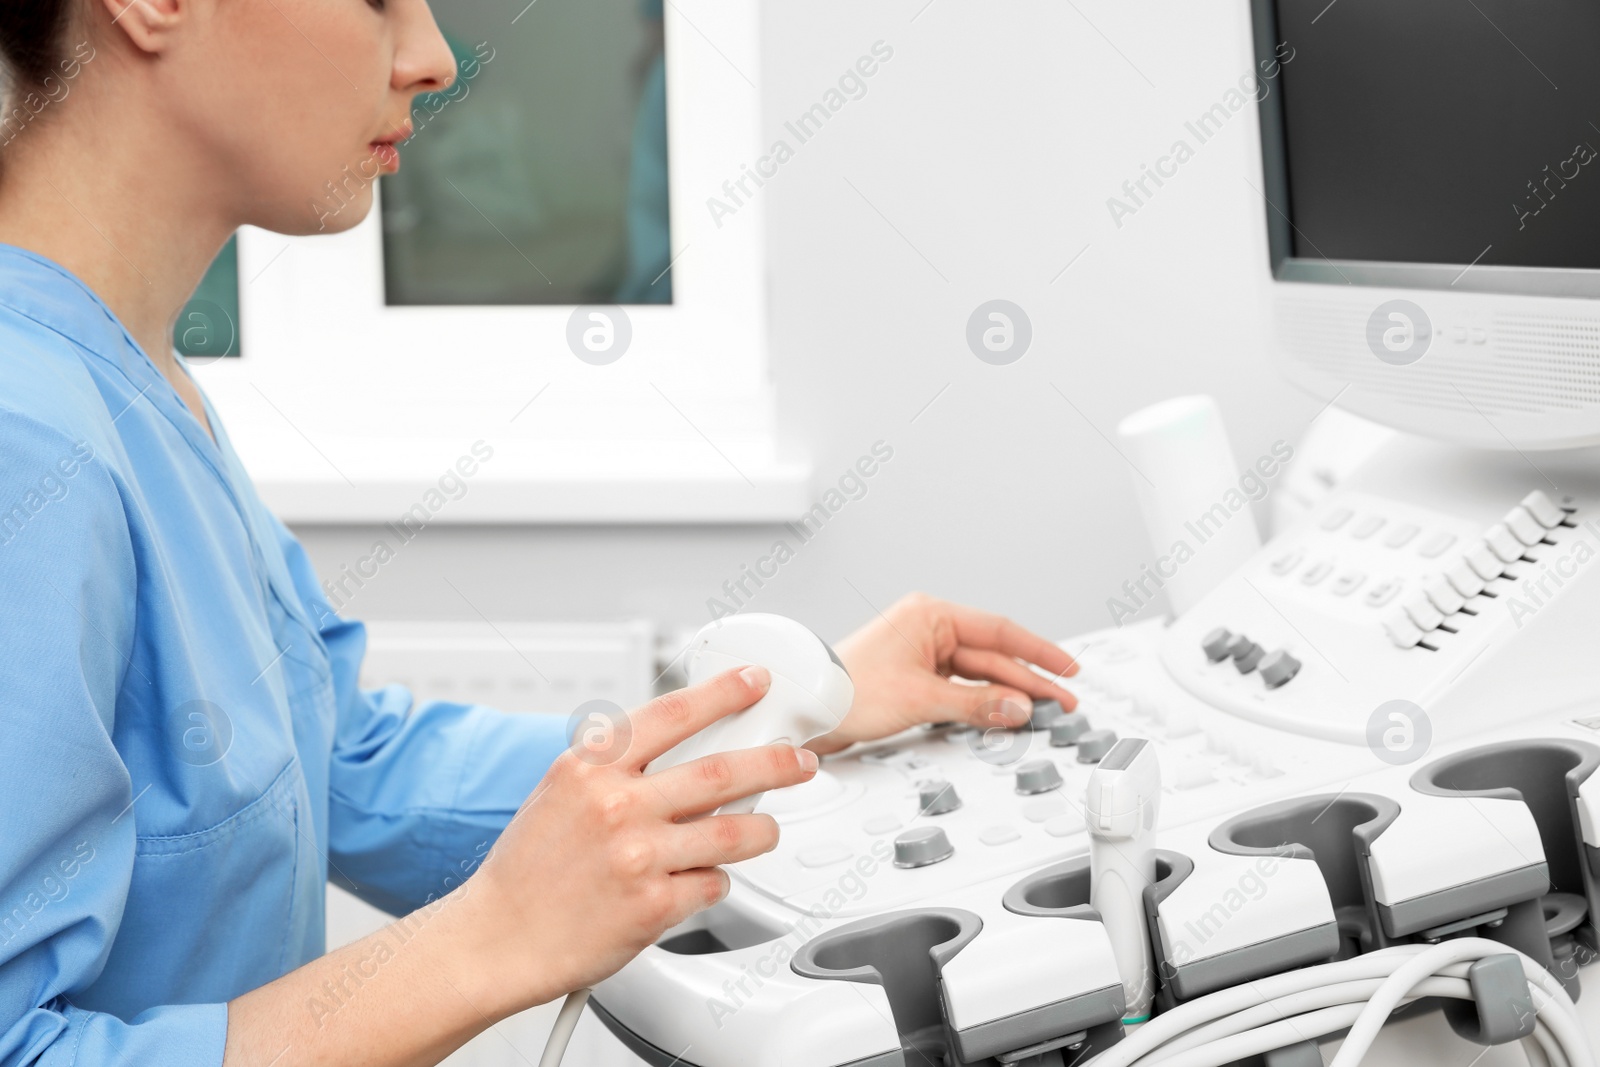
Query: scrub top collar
x=77 y=313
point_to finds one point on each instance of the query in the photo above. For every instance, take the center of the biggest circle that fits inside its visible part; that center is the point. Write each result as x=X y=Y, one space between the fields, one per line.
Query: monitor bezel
x=1451 y=277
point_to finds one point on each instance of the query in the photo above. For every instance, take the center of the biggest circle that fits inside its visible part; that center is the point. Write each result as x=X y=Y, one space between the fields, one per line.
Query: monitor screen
x=540 y=177
x=1436 y=132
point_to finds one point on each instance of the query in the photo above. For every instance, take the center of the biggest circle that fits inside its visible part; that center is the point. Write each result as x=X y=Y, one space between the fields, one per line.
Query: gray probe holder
x=905 y=952
x=1545 y=774
x=1333 y=831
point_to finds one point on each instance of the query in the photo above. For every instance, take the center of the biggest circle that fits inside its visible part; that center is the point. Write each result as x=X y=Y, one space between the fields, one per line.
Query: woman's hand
x=597 y=863
x=901 y=664
x=602 y=858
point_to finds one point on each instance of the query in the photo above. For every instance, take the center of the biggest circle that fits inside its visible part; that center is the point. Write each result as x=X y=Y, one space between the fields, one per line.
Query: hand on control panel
x=902 y=663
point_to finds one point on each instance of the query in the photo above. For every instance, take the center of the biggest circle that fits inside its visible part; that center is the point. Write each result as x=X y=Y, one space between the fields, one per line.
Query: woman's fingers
x=707 y=783
x=720 y=839
x=984 y=630
x=982 y=665
x=987 y=706
x=669 y=719
x=697 y=890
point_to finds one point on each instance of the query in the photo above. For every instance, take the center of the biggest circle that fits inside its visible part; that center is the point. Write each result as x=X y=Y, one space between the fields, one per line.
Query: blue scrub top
x=185 y=756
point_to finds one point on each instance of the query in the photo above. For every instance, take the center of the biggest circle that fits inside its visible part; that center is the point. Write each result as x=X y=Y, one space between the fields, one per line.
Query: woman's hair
x=30 y=39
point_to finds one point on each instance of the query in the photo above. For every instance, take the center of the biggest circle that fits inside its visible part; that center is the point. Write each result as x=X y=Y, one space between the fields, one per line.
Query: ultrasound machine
x=1344 y=806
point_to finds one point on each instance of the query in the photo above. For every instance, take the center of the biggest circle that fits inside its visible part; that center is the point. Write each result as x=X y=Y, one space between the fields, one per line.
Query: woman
x=161 y=887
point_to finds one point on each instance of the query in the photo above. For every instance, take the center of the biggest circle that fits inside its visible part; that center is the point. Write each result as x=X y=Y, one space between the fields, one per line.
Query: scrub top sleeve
x=418 y=792
x=67 y=628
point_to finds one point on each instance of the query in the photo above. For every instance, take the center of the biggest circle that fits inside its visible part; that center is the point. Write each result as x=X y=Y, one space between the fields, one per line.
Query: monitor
x=1431 y=178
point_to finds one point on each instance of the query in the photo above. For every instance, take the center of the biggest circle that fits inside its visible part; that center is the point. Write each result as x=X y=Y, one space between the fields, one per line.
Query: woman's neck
x=121 y=206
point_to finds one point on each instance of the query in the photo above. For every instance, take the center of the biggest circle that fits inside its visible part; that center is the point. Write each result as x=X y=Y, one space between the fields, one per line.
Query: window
x=567 y=175
x=541 y=176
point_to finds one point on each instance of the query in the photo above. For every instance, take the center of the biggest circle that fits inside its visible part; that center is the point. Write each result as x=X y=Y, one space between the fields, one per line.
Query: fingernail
x=756 y=677
x=808 y=760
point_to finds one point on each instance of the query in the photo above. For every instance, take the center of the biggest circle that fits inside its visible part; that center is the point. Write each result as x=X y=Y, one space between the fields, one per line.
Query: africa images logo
x=1399 y=332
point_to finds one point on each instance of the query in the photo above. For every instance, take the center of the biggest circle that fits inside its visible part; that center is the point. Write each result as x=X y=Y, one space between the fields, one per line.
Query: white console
x=930 y=896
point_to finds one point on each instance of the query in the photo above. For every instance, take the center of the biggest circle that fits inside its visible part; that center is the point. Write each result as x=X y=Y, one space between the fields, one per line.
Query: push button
x=1044 y=808
x=1503 y=543
x=1523 y=526
x=1368 y=526
x=1542 y=508
x=922 y=846
x=1484 y=561
x=1093 y=745
x=1463 y=579
x=1401 y=630
x=825 y=855
x=1044 y=713
x=1400 y=536
x=1215 y=645
x=1245 y=660
x=1067 y=729
x=1383 y=592
x=1422 y=611
x=1348 y=583
x=1287 y=562
x=1316 y=572
x=1442 y=594
x=882 y=824
x=1336 y=518
x=1038 y=776
x=1278 y=668
x=937 y=797
x=1436 y=546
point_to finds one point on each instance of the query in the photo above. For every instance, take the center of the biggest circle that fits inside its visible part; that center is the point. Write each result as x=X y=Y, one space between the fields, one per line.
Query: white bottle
x=1122 y=803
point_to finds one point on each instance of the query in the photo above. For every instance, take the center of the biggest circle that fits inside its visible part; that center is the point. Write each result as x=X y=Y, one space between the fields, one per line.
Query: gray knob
x=922 y=846
x=1045 y=712
x=1239 y=644
x=1246 y=658
x=937 y=797
x=1278 y=667
x=1217 y=644
x=1038 y=776
x=1093 y=745
x=1067 y=729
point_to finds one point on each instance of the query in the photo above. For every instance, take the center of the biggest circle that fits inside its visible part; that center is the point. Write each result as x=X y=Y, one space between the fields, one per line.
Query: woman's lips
x=387 y=156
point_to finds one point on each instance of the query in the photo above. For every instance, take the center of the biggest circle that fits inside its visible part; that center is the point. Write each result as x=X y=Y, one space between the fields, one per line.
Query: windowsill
x=520 y=484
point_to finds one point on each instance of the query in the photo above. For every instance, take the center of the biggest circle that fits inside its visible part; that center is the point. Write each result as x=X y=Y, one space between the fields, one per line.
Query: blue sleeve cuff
x=184 y=1035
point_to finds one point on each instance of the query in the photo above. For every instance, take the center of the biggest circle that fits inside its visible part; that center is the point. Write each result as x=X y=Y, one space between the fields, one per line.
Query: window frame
x=345 y=409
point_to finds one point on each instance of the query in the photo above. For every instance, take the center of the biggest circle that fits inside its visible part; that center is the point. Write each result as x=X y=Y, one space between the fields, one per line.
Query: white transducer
x=1121 y=805
x=810 y=696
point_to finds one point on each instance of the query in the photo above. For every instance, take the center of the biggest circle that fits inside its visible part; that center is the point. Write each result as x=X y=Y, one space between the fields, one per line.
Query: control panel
x=1219 y=810
x=1372 y=600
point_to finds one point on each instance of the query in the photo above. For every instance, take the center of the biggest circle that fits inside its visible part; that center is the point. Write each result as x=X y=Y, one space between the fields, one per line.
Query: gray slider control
x=1038 y=776
x=1093 y=745
x=922 y=846
x=935 y=797
x=1278 y=667
x=1045 y=712
x=1067 y=729
x=1216 y=645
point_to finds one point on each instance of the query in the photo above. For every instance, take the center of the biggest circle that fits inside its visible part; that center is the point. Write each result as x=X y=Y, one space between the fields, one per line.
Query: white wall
x=991 y=142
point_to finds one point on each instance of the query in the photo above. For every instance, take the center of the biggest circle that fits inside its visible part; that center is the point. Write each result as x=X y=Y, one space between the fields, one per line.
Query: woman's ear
x=147 y=24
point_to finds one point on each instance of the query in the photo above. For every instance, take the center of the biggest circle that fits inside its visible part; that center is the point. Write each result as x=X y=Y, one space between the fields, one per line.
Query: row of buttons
x=1344 y=585
x=1447 y=593
x=1399 y=535
x=1277 y=668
